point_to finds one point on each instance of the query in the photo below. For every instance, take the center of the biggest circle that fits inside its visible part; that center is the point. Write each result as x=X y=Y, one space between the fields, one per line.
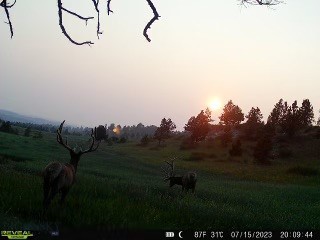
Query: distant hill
x=15 y=117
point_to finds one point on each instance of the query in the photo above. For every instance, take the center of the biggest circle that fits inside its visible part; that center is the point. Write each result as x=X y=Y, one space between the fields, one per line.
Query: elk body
x=59 y=177
x=187 y=180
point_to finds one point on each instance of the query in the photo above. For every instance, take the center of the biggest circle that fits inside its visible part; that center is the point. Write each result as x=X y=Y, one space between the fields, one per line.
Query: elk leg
x=46 y=190
x=64 y=193
x=193 y=188
x=53 y=192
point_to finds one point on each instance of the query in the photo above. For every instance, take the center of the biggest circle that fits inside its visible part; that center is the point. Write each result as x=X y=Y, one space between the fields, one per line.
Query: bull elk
x=59 y=177
x=187 y=180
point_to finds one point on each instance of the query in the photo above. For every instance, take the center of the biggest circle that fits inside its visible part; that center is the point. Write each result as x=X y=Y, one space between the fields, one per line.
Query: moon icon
x=180 y=236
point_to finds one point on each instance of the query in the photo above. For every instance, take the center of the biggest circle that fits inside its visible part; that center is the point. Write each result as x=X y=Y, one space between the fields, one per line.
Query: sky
x=200 y=50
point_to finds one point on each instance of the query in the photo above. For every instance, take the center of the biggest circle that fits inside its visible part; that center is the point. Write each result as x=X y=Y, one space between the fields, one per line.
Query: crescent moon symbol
x=180 y=234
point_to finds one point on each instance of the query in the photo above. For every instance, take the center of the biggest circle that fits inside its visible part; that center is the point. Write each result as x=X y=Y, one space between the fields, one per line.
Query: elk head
x=187 y=180
x=59 y=177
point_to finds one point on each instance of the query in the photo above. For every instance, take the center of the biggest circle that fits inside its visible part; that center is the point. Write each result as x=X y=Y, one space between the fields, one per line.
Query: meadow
x=121 y=187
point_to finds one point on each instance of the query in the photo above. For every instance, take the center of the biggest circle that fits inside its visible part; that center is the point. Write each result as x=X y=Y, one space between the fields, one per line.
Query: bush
x=317 y=134
x=303 y=171
x=27 y=132
x=226 y=137
x=197 y=156
x=6 y=127
x=145 y=140
x=109 y=141
x=236 y=149
x=285 y=152
x=262 y=149
x=123 y=140
x=188 y=144
x=38 y=135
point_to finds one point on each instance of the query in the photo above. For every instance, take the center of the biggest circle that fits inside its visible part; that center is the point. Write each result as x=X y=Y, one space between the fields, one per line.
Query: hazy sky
x=200 y=50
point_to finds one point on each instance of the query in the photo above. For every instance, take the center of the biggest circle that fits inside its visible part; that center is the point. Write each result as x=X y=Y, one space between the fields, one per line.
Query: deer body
x=59 y=177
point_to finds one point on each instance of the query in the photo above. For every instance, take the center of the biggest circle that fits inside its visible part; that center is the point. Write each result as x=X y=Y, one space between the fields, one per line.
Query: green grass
x=121 y=187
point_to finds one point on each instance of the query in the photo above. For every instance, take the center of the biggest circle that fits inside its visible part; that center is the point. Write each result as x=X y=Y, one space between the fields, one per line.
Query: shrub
x=303 y=171
x=188 y=144
x=123 y=140
x=27 y=132
x=197 y=156
x=109 y=141
x=285 y=152
x=226 y=138
x=236 y=149
x=145 y=140
x=6 y=127
x=262 y=149
x=38 y=135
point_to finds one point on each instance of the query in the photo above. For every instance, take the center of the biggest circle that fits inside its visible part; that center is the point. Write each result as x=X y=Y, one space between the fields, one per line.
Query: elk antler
x=91 y=148
x=60 y=140
x=65 y=144
x=169 y=170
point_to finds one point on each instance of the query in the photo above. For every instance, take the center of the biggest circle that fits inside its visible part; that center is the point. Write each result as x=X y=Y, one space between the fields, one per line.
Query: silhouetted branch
x=96 y=6
x=6 y=7
x=261 y=2
x=108 y=7
x=60 y=9
x=77 y=15
x=155 y=17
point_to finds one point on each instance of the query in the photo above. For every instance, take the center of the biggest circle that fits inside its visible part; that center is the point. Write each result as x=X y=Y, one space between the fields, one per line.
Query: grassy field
x=121 y=187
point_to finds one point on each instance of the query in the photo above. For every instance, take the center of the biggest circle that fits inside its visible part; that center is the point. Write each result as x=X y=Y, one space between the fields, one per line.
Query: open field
x=121 y=187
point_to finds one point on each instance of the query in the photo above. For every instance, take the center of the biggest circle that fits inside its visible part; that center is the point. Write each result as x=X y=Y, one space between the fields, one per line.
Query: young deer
x=187 y=180
x=59 y=177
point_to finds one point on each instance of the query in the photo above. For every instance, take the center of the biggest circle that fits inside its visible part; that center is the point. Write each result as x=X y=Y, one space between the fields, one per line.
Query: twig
x=155 y=17
x=6 y=7
x=60 y=9
x=108 y=7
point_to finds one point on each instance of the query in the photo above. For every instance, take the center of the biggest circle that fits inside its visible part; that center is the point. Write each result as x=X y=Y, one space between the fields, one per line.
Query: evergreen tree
x=164 y=131
x=254 y=122
x=27 y=132
x=306 y=113
x=199 y=126
x=232 y=115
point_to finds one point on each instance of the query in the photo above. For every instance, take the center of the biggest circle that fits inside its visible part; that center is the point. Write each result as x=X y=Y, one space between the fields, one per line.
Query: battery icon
x=169 y=234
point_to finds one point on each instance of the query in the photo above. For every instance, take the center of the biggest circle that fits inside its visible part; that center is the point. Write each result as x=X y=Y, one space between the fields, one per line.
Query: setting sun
x=215 y=104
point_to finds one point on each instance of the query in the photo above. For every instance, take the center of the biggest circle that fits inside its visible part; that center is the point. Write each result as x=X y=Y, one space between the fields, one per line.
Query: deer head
x=75 y=156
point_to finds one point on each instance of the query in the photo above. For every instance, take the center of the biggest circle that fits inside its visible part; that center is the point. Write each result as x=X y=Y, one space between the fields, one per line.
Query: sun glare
x=215 y=104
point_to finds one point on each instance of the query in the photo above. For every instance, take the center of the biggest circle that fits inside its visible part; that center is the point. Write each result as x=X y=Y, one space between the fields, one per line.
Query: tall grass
x=121 y=187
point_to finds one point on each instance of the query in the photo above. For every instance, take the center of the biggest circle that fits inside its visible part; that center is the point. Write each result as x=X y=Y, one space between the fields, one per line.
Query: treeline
x=285 y=120
x=134 y=132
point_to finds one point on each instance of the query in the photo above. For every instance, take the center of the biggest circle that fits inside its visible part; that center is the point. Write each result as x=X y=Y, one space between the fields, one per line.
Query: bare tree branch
x=96 y=6
x=155 y=17
x=108 y=7
x=77 y=15
x=261 y=2
x=60 y=9
x=4 y=4
x=6 y=7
